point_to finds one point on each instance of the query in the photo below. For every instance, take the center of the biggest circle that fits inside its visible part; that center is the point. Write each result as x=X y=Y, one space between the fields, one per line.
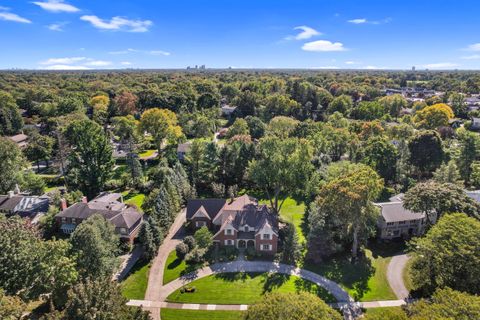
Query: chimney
x=84 y=199
x=63 y=204
x=10 y=194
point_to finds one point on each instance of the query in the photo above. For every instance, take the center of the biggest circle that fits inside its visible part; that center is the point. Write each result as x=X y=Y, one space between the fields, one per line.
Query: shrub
x=190 y=242
x=196 y=256
x=182 y=250
x=204 y=238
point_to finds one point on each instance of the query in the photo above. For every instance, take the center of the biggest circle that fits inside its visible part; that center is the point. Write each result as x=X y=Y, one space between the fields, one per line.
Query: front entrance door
x=241 y=244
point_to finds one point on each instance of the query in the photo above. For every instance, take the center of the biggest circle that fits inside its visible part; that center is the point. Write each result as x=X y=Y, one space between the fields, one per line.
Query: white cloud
x=61 y=61
x=474 y=47
x=441 y=65
x=366 y=21
x=472 y=57
x=56 y=6
x=323 y=46
x=119 y=24
x=371 y=68
x=98 y=63
x=126 y=63
x=57 y=26
x=65 y=67
x=8 y=16
x=327 y=67
x=358 y=21
x=151 y=52
x=351 y=62
x=306 y=33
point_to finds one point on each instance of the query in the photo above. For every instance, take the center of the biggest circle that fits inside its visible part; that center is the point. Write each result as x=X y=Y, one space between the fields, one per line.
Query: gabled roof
x=394 y=212
x=211 y=206
x=201 y=213
x=9 y=203
x=240 y=203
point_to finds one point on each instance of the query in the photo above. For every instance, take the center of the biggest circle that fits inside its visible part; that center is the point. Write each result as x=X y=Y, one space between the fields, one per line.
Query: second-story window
x=266 y=236
x=228 y=232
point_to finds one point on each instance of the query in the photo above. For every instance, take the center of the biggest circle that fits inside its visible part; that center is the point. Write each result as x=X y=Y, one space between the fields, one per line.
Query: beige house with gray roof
x=397 y=222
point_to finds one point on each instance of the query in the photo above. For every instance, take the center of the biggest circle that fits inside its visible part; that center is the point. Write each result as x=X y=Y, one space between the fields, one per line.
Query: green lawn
x=381 y=311
x=407 y=279
x=244 y=288
x=174 y=268
x=135 y=285
x=147 y=153
x=367 y=279
x=117 y=173
x=292 y=212
x=133 y=197
x=178 y=314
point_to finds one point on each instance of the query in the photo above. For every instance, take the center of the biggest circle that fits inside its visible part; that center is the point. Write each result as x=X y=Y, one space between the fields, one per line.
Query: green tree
x=459 y=107
x=281 y=126
x=394 y=104
x=100 y=299
x=281 y=168
x=31 y=182
x=448 y=173
x=239 y=127
x=256 y=127
x=90 y=160
x=448 y=255
x=95 y=245
x=381 y=155
x=446 y=304
x=468 y=153
x=369 y=110
x=39 y=148
x=11 y=121
x=341 y=104
x=298 y=306
x=162 y=125
x=247 y=103
x=11 y=307
x=292 y=250
x=426 y=151
x=11 y=163
x=433 y=117
x=145 y=238
x=435 y=199
x=203 y=238
x=348 y=201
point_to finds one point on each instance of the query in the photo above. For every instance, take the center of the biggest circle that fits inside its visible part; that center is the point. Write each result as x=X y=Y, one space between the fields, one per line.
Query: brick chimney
x=84 y=199
x=63 y=204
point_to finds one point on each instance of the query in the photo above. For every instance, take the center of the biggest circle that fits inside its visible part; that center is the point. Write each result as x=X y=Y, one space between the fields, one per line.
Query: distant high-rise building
x=413 y=68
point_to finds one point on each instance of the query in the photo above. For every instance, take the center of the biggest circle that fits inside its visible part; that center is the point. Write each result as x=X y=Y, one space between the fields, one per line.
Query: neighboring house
x=455 y=123
x=227 y=110
x=32 y=207
x=475 y=124
x=20 y=140
x=239 y=222
x=126 y=219
x=475 y=194
x=397 y=222
x=182 y=150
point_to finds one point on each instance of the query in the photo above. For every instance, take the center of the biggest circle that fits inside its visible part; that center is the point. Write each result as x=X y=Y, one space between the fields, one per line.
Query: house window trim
x=269 y=247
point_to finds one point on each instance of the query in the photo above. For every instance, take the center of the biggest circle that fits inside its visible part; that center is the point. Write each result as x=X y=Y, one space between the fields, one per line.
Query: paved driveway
x=395 y=275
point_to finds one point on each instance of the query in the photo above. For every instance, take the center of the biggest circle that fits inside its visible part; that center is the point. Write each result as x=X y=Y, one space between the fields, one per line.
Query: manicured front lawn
x=179 y=314
x=244 y=288
x=174 y=268
x=135 y=285
x=380 y=311
x=366 y=280
x=407 y=279
x=292 y=212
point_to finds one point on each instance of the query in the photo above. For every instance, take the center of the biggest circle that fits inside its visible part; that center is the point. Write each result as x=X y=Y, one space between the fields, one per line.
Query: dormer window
x=266 y=236
x=228 y=232
x=123 y=230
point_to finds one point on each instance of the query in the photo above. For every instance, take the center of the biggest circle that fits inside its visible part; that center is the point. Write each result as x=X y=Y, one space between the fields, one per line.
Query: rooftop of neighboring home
x=20 y=139
x=395 y=212
x=24 y=205
x=107 y=205
x=474 y=194
x=184 y=147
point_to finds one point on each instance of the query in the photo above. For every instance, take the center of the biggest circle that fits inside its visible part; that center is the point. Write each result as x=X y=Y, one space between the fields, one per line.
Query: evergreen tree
x=292 y=250
x=145 y=237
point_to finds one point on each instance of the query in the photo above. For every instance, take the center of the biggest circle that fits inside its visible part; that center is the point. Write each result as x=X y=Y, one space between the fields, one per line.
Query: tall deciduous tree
x=11 y=162
x=381 y=155
x=39 y=148
x=10 y=119
x=394 y=104
x=433 y=117
x=90 y=161
x=426 y=152
x=282 y=166
x=161 y=124
x=95 y=245
x=448 y=255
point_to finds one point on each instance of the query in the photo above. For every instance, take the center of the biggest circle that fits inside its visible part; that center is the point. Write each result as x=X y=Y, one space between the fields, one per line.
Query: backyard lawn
x=292 y=212
x=367 y=279
x=244 y=288
x=174 y=268
x=135 y=198
x=407 y=279
x=135 y=285
x=179 y=314
x=147 y=153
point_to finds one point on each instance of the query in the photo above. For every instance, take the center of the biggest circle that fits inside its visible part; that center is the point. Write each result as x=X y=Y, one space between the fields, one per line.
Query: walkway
x=128 y=261
x=395 y=275
x=155 y=277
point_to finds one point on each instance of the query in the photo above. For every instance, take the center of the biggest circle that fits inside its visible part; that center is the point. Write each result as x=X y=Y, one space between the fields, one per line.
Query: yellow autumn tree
x=433 y=117
x=161 y=124
x=99 y=104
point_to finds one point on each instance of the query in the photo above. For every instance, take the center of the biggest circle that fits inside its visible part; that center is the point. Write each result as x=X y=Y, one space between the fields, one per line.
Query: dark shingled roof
x=394 y=212
x=212 y=206
x=9 y=203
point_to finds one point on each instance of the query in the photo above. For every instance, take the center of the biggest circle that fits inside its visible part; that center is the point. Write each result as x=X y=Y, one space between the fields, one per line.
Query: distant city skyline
x=148 y=34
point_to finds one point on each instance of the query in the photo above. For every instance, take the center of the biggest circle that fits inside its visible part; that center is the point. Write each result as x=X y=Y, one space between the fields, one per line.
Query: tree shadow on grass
x=302 y=285
x=175 y=263
x=273 y=281
x=235 y=276
x=353 y=276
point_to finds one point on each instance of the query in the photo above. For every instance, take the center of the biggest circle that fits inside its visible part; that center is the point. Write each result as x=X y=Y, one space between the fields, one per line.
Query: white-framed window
x=401 y=222
x=200 y=224
x=74 y=221
x=266 y=247
x=266 y=236
x=390 y=223
x=64 y=219
x=228 y=232
x=229 y=242
x=123 y=230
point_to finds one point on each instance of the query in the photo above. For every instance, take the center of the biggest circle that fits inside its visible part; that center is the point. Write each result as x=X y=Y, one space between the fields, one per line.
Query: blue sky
x=354 y=34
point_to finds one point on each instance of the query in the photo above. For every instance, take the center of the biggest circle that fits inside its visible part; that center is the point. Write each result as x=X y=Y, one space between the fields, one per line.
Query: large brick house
x=126 y=219
x=239 y=222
